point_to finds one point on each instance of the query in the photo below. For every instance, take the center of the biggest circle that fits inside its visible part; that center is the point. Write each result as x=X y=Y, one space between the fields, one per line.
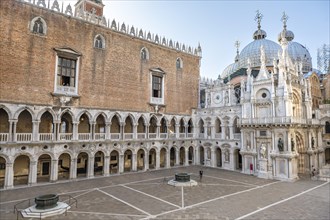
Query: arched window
x=144 y=54
x=327 y=127
x=38 y=26
x=99 y=42
x=179 y=63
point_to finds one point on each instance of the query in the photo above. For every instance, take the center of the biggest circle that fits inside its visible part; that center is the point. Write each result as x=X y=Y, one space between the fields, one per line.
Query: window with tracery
x=99 y=42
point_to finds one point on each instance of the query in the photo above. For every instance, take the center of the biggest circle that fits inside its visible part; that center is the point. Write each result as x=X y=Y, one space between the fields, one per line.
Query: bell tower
x=88 y=8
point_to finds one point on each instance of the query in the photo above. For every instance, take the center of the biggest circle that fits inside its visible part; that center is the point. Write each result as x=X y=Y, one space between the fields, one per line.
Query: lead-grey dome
x=229 y=70
x=252 y=52
x=298 y=52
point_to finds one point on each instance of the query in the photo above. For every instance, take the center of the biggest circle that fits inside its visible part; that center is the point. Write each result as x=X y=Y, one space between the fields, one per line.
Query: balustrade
x=182 y=135
x=99 y=136
x=24 y=137
x=46 y=136
x=84 y=136
x=4 y=137
x=141 y=136
x=128 y=136
x=115 y=136
x=277 y=120
x=163 y=135
x=65 y=136
x=152 y=136
x=190 y=135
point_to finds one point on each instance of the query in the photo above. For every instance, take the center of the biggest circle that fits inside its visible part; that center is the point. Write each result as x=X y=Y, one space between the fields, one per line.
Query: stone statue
x=226 y=98
x=313 y=142
x=262 y=151
x=292 y=144
x=280 y=145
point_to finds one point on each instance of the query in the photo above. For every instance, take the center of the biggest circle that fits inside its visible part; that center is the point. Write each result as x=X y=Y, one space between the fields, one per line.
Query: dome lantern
x=259 y=34
x=288 y=35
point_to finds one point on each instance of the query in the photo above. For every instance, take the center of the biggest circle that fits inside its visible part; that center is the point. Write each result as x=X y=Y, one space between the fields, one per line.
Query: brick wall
x=113 y=78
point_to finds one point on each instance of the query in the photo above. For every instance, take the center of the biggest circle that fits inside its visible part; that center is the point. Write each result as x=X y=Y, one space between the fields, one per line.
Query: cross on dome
x=258 y=18
x=284 y=19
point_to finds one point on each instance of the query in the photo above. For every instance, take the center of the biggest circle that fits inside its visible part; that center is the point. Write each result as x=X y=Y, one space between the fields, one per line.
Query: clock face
x=217 y=98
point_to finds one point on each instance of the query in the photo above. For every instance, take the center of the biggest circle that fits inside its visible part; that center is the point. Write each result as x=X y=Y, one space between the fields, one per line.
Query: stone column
x=106 y=165
x=157 y=160
x=232 y=161
x=146 y=161
x=9 y=176
x=134 y=162
x=75 y=130
x=231 y=132
x=223 y=132
x=73 y=168
x=33 y=172
x=212 y=131
x=57 y=131
x=177 y=157
x=157 y=130
x=168 y=159
x=54 y=171
x=122 y=126
x=90 y=167
x=186 y=158
x=92 y=131
x=197 y=156
x=177 y=130
x=14 y=130
x=147 y=130
x=205 y=131
x=213 y=158
x=10 y=131
x=107 y=130
x=121 y=163
x=35 y=130
x=135 y=131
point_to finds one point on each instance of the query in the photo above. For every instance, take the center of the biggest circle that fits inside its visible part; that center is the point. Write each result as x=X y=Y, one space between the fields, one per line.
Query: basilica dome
x=252 y=52
x=229 y=70
x=298 y=52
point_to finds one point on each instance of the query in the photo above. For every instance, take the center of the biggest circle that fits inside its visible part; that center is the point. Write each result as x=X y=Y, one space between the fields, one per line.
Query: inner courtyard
x=220 y=194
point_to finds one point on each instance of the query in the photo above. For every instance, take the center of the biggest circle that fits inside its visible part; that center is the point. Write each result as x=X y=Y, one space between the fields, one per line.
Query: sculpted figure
x=280 y=144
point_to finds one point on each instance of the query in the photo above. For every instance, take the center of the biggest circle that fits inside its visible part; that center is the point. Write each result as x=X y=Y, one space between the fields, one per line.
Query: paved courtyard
x=145 y=195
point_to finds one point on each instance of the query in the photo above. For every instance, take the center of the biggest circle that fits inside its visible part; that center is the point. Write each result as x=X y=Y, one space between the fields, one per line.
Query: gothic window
x=99 y=42
x=66 y=71
x=144 y=54
x=38 y=26
x=179 y=63
x=238 y=94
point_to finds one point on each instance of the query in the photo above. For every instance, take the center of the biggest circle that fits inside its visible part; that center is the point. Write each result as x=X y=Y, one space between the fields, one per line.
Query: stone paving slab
x=221 y=195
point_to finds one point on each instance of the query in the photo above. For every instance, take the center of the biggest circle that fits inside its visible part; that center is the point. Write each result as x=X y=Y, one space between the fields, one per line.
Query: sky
x=216 y=25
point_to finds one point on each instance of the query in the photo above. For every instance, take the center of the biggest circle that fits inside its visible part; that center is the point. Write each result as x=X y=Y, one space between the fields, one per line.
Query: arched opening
x=172 y=129
x=201 y=155
x=115 y=128
x=114 y=162
x=182 y=129
x=82 y=164
x=172 y=157
x=152 y=159
x=141 y=129
x=2 y=171
x=219 y=157
x=237 y=130
x=66 y=127
x=153 y=128
x=84 y=128
x=64 y=166
x=327 y=127
x=44 y=168
x=163 y=128
x=4 y=126
x=99 y=163
x=238 y=159
x=140 y=159
x=100 y=128
x=24 y=127
x=327 y=155
x=46 y=127
x=128 y=129
x=182 y=156
x=190 y=128
x=201 y=128
x=191 y=155
x=162 y=157
x=217 y=126
x=303 y=157
x=21 y=170
x=128 y=161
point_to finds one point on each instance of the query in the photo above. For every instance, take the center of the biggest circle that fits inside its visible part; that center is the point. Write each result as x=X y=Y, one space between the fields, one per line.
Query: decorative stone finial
x=258 y=18
x=284 y=19
x=237 y=44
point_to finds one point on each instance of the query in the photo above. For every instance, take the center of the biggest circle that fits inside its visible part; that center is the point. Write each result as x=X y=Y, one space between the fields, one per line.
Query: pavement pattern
x=221 y=194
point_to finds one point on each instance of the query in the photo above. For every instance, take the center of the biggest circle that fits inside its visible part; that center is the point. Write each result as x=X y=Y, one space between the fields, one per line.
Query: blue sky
x=218 y=24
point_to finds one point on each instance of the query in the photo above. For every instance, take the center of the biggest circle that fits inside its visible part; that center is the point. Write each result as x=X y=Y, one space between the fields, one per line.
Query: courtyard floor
x=146 y=195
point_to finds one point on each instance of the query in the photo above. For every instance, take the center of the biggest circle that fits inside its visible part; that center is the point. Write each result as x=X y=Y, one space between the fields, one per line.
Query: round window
x=264 y=95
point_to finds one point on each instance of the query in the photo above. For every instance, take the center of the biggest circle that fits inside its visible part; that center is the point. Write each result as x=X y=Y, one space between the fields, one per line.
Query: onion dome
x=288 y=35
